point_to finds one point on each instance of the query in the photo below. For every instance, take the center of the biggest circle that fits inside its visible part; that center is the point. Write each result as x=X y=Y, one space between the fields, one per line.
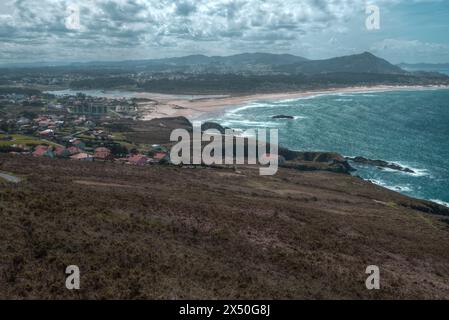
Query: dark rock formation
x=281 y=116
x=380 y=164
x=212 y=125
x=315 y=161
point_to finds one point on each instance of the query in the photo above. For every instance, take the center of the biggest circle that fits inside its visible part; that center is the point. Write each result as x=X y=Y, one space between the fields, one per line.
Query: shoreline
x=206 y=109
x=195 y=109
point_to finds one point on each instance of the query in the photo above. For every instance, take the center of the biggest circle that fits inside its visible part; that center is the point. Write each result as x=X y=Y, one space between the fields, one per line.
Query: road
x=9 y=177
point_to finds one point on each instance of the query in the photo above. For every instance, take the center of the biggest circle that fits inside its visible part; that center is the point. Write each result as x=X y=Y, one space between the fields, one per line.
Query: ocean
x=410 y=128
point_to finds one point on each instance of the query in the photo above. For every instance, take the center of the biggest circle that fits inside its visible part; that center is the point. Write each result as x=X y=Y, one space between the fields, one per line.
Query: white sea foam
x=303 y=98
x=443 y=203
x=420 y=172
x=249 y=123
x=288 y=100
x=367 y=93
x=248 y=106
x=344 y=100
x=343 y=94
x=417 y=172
x=398 y=188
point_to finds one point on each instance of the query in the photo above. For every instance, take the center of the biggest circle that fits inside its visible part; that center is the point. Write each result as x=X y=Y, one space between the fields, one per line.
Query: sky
x=409 y=31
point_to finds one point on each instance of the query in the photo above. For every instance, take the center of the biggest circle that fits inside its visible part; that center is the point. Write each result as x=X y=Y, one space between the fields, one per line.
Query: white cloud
x=146 y=28
x=109 y=21
x=400 y=50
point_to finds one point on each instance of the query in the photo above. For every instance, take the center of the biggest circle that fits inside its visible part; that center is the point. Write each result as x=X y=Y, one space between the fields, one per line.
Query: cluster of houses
x=14 y=98
x=60 y=131
x=76 y=152
x=99 y=106
x=46 y=125
x=58 y=128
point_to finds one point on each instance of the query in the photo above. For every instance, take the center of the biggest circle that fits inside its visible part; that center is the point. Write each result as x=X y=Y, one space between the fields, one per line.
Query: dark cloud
x=185 y=8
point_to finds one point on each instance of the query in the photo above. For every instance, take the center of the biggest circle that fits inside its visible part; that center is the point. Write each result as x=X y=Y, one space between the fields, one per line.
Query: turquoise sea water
x=410 y=128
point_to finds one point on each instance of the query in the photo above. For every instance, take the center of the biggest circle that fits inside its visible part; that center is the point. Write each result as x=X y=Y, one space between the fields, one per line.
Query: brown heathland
x=182 y=233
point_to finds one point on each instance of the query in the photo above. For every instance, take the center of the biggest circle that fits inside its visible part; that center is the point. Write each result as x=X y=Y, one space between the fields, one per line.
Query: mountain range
x=266 y=63
x=242 y=73
x=256 y=63
x=358 y=63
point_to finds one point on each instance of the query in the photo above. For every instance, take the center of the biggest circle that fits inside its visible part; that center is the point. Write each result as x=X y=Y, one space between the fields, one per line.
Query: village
x=72 y=127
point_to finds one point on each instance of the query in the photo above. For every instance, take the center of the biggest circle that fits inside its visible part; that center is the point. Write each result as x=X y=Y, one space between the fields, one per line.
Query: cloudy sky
x=48 y=30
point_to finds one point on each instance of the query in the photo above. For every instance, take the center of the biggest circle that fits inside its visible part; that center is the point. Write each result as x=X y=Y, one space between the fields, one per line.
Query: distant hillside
x=359 y=63
x=237 y=74
x=260 y=58
x=192 y=62
x=249 y=63
x=239 y=59
x=264 y=63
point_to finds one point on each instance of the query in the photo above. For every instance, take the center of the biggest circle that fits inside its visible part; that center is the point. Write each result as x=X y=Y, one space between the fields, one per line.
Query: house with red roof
x=103 y=154
x=138 y=160
x=47 y=133
x=73 y=150
x=159 y=156
x=62 y=152
x=82 y=157
x=79 y=144
x=43 y=151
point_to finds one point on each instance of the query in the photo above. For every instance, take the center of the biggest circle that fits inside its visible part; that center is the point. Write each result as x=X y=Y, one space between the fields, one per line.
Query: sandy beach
x=196 y=107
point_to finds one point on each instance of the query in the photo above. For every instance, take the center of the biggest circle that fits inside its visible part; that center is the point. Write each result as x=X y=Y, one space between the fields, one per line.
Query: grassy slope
x=25 y=140
x=164 y=232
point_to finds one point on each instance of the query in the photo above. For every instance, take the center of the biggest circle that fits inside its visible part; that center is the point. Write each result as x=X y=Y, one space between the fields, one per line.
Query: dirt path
x=101 y=184
x=9 y=178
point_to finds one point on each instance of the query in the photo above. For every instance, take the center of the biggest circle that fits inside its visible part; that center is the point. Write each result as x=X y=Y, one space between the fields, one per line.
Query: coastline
x=207 y=109
x=202 y=106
